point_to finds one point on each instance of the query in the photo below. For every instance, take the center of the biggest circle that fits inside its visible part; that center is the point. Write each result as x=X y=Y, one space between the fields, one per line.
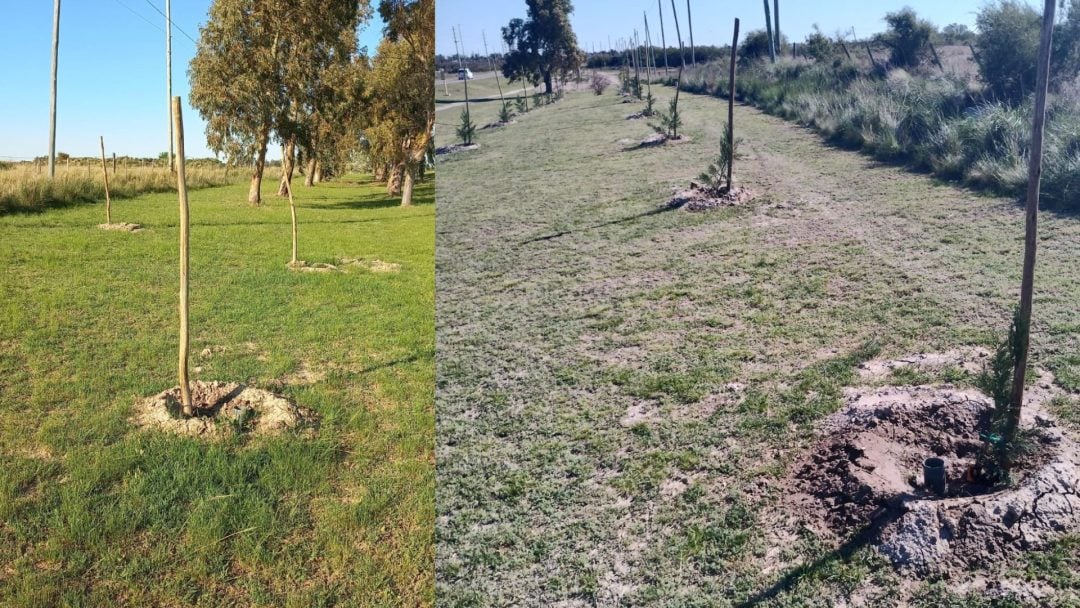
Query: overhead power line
x=172 y=22
x=140 y=16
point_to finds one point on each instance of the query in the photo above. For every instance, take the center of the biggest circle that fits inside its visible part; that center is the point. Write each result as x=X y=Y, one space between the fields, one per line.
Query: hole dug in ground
x=222 y=409
x=863 y=479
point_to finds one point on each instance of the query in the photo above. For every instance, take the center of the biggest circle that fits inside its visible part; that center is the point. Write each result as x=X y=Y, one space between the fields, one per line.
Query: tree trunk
x=393 y=185
x=255 y=192
x=318 y=172
x=547 y=83
x=407 y=188
x=288 y=163
x=309 y=178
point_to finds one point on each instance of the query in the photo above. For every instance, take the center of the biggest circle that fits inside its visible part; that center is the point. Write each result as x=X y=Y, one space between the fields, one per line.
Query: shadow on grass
x=638 y=216
x=885 y=515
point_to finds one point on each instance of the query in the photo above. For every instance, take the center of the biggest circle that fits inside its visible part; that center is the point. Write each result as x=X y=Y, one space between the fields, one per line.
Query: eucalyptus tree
x=256 y=70
x=401 y=116
x=543 y=46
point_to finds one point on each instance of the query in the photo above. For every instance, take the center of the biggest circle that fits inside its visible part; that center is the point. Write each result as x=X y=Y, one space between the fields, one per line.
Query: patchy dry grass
x=620 y=388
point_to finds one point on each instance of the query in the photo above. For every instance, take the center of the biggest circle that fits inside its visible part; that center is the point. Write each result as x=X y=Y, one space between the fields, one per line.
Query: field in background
x=26 y=187
x=622 y=388
x=96 y=513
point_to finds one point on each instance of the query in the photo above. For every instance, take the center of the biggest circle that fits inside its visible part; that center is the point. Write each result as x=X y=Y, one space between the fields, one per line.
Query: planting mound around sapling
x=701 y=198
x=222 y=409
x=863 y=477
x=455 y=148
x=121 y=227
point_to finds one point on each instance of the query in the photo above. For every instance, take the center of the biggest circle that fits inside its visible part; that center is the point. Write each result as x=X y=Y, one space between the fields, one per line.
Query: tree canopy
x=542 y=46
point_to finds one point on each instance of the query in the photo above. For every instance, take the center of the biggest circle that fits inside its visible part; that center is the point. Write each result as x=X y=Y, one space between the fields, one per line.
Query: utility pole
x=690 y=23
x=457 y=51
x=52 y=104
x=663 y=39
x=168 y=76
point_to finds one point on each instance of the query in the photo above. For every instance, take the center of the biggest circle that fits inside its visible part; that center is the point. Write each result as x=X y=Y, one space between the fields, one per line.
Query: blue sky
x=111 y=76
x=595 y=20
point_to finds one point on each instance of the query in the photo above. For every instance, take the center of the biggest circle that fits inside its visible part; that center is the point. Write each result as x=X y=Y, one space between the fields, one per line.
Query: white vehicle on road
x=464 y=74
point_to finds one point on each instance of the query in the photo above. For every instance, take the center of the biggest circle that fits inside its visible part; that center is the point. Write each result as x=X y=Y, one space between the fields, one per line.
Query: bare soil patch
x=302 y=266
x=372 y=265
x=863 y=477
x=697 y=198
x=121 y=227
x=222 y=409
x=970 y=360
x=455 y=148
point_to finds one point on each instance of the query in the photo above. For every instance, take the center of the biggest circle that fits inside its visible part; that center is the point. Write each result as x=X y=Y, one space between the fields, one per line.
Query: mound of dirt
x=222 y=409
x=121 y=227
x=864 y=475
x=497 y=125
x=971 y=360
x=302 y=266
x=697 y=198
x=455 y=148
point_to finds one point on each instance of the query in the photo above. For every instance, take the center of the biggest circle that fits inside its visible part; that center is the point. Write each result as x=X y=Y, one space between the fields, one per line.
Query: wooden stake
x=731 y=105
x=690 y=24
x=769 y=33
x=937 y=60
x=776 y=28
x=114 y=163
x=844 y=46
x=871 y=53
x=105 y=172
x=663 y=38
x=292 y=212
x=181 y=188
x=675 y=14
x=1031 y=237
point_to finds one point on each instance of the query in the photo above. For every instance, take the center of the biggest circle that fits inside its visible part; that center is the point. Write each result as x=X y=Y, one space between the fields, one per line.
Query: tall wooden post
x=181 y=187
x=114 y=163
x=690 y=25
x=731 y=105
x=105 y=172
x=496 y=72
x=52 y=95
x=1031 y=237
x=168 y=74
x=675 y=15
x=776 y=27
x=769 y=33
x=649 y=57
x=663 y=38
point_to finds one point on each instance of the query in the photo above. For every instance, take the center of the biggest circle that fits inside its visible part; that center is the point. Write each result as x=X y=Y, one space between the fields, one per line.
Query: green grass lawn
x=621 y=389
x=96 y=513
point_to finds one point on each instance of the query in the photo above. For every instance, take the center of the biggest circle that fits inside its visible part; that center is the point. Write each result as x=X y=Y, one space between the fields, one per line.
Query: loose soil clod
x=121 y=227
x=222 y=409
x=864 y=477
x=697 y=198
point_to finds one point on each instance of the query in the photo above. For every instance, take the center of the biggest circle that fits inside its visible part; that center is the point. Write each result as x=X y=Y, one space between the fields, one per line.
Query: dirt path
x=621 y=388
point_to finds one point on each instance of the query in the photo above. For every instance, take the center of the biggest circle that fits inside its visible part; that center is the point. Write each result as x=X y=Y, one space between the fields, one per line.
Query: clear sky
x=595 y=20
x=111 y=78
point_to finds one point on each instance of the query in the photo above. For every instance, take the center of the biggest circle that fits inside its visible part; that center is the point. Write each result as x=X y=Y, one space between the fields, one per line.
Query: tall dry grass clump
x=24 y=188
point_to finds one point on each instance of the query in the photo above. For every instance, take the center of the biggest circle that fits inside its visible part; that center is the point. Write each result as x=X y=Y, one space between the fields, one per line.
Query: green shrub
x=907 y=38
